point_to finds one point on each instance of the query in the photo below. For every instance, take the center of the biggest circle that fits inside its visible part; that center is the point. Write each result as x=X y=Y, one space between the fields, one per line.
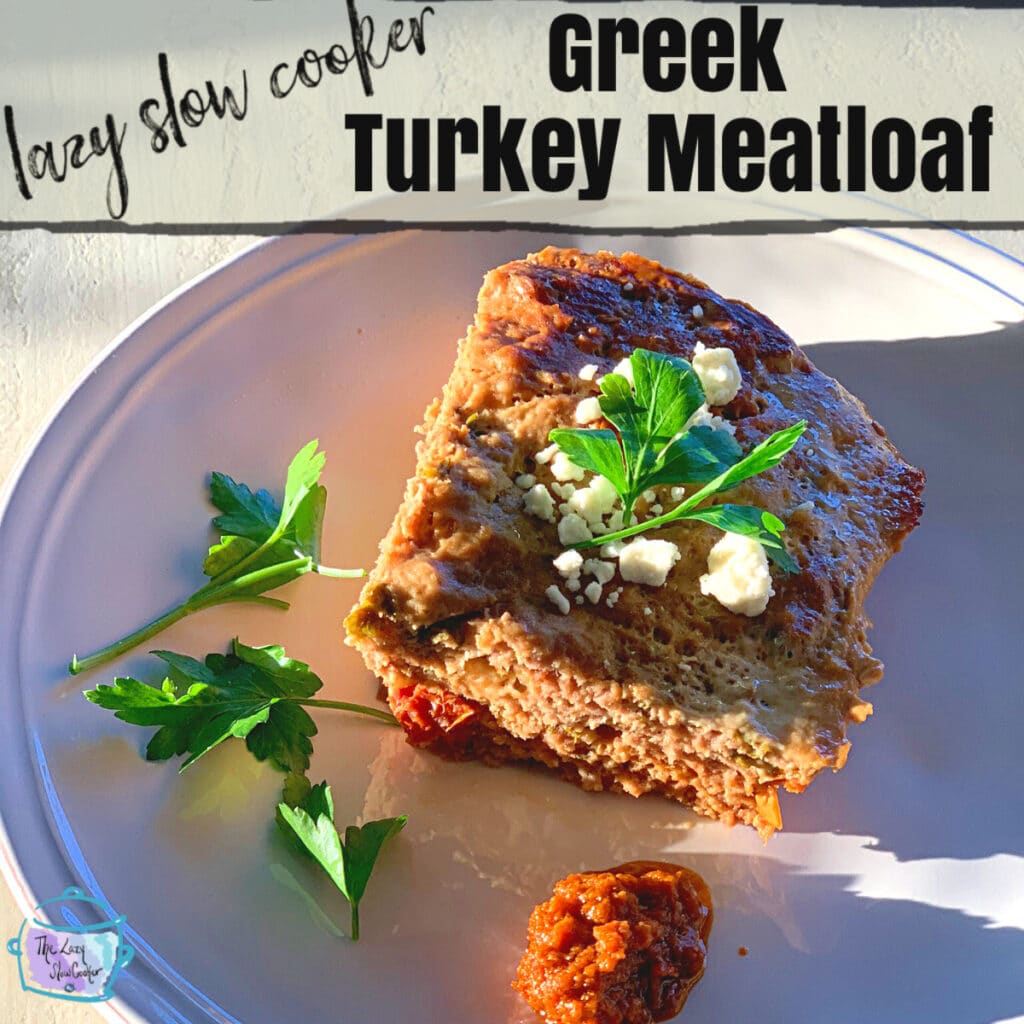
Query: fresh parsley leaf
x=244 y=513
x=269 y=534
x=644 y=449
x=699 y=456
x=750 y=522
x=668 y=389
x=349 y=864
x=621 y=409
x=298 y=792
x=651 y=446
x=763 y=456
x=302 y=479
x=258 y=694
x=228 y=552
x=308 y=524
x=363 y=844
x=262 y=546
x=596 y=450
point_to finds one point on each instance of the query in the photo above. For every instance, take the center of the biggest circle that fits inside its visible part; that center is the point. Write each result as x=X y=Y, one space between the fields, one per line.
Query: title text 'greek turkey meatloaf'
x=487 y=650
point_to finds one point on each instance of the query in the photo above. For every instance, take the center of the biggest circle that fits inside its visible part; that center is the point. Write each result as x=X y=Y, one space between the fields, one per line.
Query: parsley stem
x=355 y=922
x=270 y=602
x=340 y=574
x=359 y=709
x=383 y=716
x=126 y=643
x=204 y=598
x=292 y=569
x=763 y=456
x=631 y=531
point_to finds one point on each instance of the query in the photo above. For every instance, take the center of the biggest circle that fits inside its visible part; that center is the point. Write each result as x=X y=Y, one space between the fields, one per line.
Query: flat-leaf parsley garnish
x=258 y=694
x=651 y=446
x=262 y=546
x=349 y=862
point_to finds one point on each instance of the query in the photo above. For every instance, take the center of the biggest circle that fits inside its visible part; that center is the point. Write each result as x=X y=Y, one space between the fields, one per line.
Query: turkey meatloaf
x=486 y=650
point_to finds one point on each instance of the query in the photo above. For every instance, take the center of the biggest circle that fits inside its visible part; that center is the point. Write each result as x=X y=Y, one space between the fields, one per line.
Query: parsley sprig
x=262 y=546
x=309 y=819
x=260 y=695
x=652 y=446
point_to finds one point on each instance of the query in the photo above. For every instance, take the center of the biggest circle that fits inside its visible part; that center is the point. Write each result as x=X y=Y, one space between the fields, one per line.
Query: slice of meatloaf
x=662 y=689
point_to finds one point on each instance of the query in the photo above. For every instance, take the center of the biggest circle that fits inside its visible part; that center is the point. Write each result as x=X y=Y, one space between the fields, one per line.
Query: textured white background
x=63 y=297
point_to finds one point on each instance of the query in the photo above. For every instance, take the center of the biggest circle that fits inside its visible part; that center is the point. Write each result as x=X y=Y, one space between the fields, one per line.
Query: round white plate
x=896 y=892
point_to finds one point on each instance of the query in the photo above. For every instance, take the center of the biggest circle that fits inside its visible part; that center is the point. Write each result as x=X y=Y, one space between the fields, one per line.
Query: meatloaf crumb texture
x=690 y=700
x=623 y=946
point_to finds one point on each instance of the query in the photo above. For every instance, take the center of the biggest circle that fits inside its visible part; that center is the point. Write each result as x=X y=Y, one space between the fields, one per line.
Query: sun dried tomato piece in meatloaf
x=665 y=690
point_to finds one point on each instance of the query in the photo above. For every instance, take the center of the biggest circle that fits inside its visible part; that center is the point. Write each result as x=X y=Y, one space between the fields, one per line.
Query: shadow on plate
x=934 y=772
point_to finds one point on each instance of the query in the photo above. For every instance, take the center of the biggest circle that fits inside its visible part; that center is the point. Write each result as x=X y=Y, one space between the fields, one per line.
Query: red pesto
x=622 y=946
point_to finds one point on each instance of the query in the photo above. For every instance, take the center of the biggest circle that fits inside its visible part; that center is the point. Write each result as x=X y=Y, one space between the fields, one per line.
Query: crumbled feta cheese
x=648 y=561
x=539 y=503
x=564 y=491
x=657 y=509
x=558 y=599
x=649 y=496
x=573 y=583
x=588 y=410
x=572 y=529
x=678 y=493
x=703 y=418
x=718 y=372
x=601 y=571
x=697 y=311
x=593 y=592
x=562 y=469
x=588 y=372
x=615 y=521
x=545 y=456
x=738 y=575
x=569 y=563
x=613 y=597
x=525 y=480
x=612 y=549
x=624 y=368
x=594 y=501
x=579 y=599
x=647 y=611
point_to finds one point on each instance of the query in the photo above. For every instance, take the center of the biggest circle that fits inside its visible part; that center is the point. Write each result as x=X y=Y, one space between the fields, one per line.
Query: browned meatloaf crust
x=712 y=708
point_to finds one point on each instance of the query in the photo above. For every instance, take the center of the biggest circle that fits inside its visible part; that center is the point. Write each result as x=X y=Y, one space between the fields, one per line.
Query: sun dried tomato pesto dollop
x=622 y=946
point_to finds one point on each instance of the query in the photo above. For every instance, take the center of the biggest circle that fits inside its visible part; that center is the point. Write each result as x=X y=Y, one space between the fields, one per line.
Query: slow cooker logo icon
x=72 y=960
